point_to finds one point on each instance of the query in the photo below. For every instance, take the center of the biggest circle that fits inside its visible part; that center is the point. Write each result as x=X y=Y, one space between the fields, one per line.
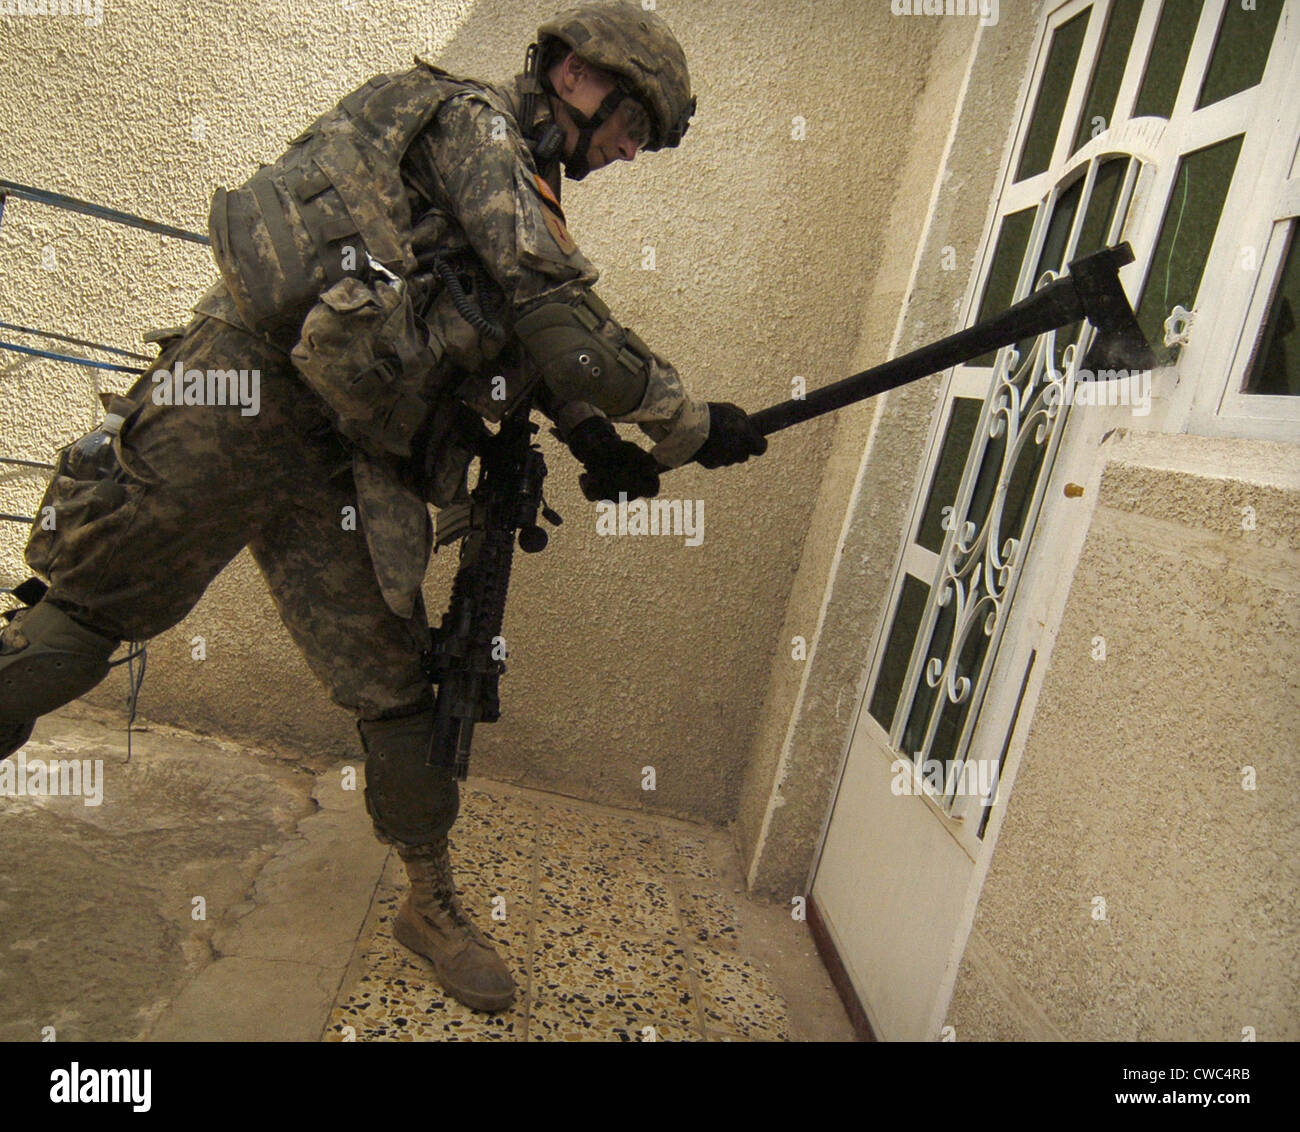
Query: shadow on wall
x=745 y=258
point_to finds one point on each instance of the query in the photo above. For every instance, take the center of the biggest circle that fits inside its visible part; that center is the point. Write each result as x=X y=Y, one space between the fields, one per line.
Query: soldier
x=408 y=260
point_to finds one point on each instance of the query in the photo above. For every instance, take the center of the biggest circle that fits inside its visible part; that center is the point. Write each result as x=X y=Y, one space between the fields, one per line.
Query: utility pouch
x=78 y=498
x=68 y=506
x=367 y=355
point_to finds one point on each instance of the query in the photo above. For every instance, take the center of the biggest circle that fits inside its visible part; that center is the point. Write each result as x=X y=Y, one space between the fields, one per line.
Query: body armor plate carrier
x=336 y=197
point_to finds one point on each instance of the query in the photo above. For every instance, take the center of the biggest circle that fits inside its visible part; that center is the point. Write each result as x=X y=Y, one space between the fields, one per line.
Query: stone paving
x=221 y=893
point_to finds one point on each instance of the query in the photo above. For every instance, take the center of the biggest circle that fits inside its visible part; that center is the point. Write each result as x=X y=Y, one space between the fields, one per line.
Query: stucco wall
x=935 y=224
x=625 y=652
x=1133 y=785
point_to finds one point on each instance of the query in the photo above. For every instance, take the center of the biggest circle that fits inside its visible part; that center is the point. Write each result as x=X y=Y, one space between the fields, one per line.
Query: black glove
x=614 y=465
x=733 y=439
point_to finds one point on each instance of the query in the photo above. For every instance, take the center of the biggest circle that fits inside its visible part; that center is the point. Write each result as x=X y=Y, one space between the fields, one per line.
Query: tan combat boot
x=432 y=923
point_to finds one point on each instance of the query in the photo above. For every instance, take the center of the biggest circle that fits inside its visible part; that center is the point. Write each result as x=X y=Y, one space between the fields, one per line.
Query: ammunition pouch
x=584 y=355
x=367 y=355
x=72 y=506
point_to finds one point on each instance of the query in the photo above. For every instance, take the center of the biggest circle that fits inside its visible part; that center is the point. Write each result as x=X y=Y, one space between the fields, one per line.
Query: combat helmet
x=640 y=49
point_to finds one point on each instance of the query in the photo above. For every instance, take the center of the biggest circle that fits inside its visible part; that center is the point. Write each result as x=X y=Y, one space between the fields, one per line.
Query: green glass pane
x=1240 y=49
x=925 y=698
x=898 y=652
x=1008 y=255
x=964 y=417
x=1101 y=208
x=1275 y=369
x=1099 y=106
x=986 y=481
x=1052 y=255
x=1186 y=236
x=1058 y=76
x=1020 y=490
x=1164 y=73
x=1096 y=224
x=935 y=698
x=1021 y=485
x=952 y=717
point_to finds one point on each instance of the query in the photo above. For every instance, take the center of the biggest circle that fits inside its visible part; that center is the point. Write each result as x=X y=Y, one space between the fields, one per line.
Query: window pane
x=898 y=652
x=947 y=475
x=1186 y=236
x=952 y=717
x=1096 y=224
x=1109 y=72
x=986 y=481
x=1058 y=76
x=1241 y=50
x=1000 y=288
x=1052 y=257
x=919 y=716
x=1053 y=251
x=1168 y=59
x=1101 y=208
x=1023 y=481
x=1275 y=369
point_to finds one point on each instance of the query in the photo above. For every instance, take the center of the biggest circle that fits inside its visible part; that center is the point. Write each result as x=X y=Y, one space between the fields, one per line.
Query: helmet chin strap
x=577 y=166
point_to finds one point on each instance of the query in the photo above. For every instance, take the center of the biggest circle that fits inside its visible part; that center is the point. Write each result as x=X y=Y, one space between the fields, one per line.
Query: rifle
x=466 y=659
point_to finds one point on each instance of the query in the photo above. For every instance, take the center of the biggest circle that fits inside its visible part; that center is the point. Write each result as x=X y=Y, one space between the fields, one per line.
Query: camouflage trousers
x=204 y=481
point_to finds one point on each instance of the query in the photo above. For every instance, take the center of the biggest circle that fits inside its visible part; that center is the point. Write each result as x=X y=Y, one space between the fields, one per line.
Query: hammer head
x=1118 y=342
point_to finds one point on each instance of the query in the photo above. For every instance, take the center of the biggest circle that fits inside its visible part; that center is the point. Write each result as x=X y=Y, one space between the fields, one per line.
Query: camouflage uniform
x=408 y=166
x=203 y=482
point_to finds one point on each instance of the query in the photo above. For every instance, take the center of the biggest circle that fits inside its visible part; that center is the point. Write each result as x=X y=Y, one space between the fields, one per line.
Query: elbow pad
x=581 y=360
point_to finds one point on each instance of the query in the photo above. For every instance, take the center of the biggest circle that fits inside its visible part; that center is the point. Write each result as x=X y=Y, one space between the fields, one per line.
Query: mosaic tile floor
x=616 y=927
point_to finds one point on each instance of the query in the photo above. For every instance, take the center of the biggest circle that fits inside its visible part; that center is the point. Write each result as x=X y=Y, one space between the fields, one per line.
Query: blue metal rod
x=74 y=341
x=25 y=463
x=73 y=359
x=72 y=204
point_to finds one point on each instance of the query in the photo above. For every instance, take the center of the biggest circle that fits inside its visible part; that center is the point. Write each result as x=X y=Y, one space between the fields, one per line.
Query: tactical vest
x=297 y=227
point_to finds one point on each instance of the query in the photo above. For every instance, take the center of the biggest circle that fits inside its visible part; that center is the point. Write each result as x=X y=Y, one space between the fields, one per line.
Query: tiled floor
x=617 y=928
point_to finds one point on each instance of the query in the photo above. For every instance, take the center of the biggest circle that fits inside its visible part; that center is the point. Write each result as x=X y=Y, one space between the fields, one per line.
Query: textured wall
x=626 y=652
x=840 y=593
x=1131 y=784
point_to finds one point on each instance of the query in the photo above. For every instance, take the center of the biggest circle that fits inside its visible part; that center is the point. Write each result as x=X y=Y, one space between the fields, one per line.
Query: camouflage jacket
x=475 y=191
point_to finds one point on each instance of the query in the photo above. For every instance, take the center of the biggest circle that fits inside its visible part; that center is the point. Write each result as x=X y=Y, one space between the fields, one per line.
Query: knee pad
x=409 y=802
x=47 y=659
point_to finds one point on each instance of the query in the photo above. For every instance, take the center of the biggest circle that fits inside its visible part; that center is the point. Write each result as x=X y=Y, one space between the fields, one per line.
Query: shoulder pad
x=490 y=99
x=485 y=91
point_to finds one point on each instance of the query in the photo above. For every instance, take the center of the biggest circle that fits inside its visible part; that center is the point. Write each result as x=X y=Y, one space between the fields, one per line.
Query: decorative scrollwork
x=981 y=564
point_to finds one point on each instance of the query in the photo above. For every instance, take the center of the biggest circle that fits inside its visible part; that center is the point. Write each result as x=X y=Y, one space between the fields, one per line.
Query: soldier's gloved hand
x=614 y=465
x=733 y=439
